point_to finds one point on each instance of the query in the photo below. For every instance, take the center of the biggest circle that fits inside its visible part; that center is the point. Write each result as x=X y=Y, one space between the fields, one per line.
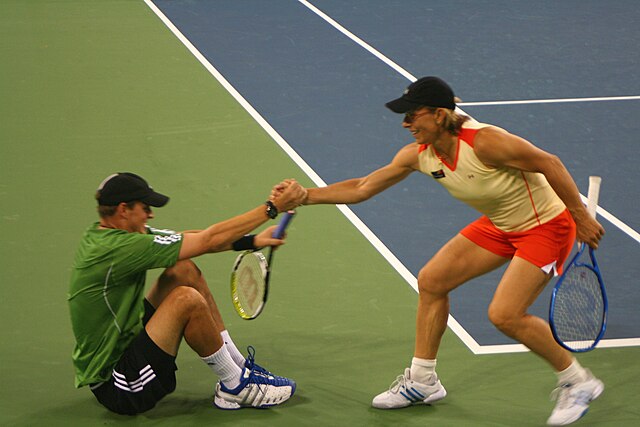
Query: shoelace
x=562 y=394
x=261 y=375
x=249 y=364
x=400 y=381
x=253 y=366
x=251 y=357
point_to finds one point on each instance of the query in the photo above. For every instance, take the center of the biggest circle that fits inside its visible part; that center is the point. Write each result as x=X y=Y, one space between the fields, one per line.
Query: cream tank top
x=512 y=199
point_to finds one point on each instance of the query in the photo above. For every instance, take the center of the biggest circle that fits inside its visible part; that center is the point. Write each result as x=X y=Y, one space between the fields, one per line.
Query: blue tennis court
x=215 y=101
x=320 y=73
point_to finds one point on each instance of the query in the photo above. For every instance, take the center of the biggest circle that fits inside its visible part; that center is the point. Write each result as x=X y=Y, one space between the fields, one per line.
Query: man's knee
x=184 y=272
x=186 y=299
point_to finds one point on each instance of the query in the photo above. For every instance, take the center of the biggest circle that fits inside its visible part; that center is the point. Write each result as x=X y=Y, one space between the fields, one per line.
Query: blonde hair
x=453 y=121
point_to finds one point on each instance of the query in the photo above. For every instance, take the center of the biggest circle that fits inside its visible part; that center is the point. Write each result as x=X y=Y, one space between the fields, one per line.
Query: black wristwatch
x=272 y=211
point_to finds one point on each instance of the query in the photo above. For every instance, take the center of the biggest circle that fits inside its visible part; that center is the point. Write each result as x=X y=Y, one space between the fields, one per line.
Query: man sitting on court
x=127 y=343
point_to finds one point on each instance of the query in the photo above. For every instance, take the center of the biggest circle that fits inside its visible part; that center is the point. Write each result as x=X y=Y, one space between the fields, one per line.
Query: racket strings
x=579 y=308
x=249 y=284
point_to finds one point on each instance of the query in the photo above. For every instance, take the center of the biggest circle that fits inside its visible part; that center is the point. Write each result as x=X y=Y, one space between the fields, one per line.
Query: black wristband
x=272 y=210
x=244 y=243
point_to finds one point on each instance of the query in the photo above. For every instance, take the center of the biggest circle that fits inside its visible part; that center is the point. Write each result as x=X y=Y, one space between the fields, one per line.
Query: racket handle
x=284 y=223
x=593 y=194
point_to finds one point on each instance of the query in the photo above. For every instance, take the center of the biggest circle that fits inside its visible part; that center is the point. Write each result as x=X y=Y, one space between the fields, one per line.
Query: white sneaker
x=573 y=400
x=405 y=392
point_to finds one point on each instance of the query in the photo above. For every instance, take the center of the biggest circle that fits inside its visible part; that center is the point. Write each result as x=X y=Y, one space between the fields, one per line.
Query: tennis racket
x=578 y=310
x=250 y=276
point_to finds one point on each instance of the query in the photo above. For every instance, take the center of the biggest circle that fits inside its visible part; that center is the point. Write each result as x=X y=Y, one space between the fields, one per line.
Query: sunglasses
x=410 y=116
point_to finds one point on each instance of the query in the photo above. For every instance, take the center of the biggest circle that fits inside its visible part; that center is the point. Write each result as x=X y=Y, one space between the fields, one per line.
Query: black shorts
x=143 y=375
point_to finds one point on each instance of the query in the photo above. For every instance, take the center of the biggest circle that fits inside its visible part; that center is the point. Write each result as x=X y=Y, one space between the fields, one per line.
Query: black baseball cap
x=426 y=91
x=127 y=187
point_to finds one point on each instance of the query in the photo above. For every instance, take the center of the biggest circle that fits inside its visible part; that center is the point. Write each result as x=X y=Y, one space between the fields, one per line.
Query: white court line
x=551 y=101
x=375 y=241
x=357 y=222
x=243 y=102
x=519 y=348
x=359 y=41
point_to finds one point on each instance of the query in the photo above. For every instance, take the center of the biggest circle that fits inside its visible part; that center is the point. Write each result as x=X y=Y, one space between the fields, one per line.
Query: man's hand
x=264 y=238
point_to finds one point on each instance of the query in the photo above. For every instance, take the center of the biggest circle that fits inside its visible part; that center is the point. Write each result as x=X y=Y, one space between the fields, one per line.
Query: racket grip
x=593 y=194
x=284 y=223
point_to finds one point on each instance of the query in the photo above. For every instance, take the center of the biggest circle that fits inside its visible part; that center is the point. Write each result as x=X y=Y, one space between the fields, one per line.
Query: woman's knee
x=431 y=283
x=504 y=319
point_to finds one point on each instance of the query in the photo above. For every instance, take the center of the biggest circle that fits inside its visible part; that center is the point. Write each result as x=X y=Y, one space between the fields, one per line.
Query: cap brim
x=155 y=199
x=401 y=105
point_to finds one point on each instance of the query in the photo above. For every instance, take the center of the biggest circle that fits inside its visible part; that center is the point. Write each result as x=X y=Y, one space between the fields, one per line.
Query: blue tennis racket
x=578 y=310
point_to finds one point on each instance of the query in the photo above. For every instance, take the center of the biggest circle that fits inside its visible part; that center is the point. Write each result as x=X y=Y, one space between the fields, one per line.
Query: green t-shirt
x=106 y=298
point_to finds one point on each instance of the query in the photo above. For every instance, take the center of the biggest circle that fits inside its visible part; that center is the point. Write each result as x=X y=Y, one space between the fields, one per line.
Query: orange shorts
x=546 y=246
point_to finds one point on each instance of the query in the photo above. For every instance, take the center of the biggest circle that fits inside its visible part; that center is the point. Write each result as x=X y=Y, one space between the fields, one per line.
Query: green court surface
x=93 y=87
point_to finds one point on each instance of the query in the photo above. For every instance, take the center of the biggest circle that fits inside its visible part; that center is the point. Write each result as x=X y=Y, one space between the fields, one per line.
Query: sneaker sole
x=232 y=406
x=221 y=403
x=439 y=395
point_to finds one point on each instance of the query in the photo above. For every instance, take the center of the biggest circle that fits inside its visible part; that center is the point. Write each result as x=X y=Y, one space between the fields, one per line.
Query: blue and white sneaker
x=258 y=389
x=405 y=392
x=573 y=400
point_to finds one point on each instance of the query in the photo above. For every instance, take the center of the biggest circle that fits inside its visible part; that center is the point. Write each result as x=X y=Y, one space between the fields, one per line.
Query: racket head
x=250 y=276
x=249 y=286
x=578 y=310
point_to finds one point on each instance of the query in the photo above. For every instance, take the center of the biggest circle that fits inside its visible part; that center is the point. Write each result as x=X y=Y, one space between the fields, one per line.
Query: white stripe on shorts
x=135 y=386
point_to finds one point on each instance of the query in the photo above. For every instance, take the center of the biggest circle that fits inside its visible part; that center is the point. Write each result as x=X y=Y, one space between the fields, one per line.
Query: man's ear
x=122 y=210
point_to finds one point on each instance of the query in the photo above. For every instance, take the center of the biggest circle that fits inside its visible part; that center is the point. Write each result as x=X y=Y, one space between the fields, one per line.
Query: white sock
x=423 y=370
x=233 y=350
x=225 y=368
x=573 y=374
